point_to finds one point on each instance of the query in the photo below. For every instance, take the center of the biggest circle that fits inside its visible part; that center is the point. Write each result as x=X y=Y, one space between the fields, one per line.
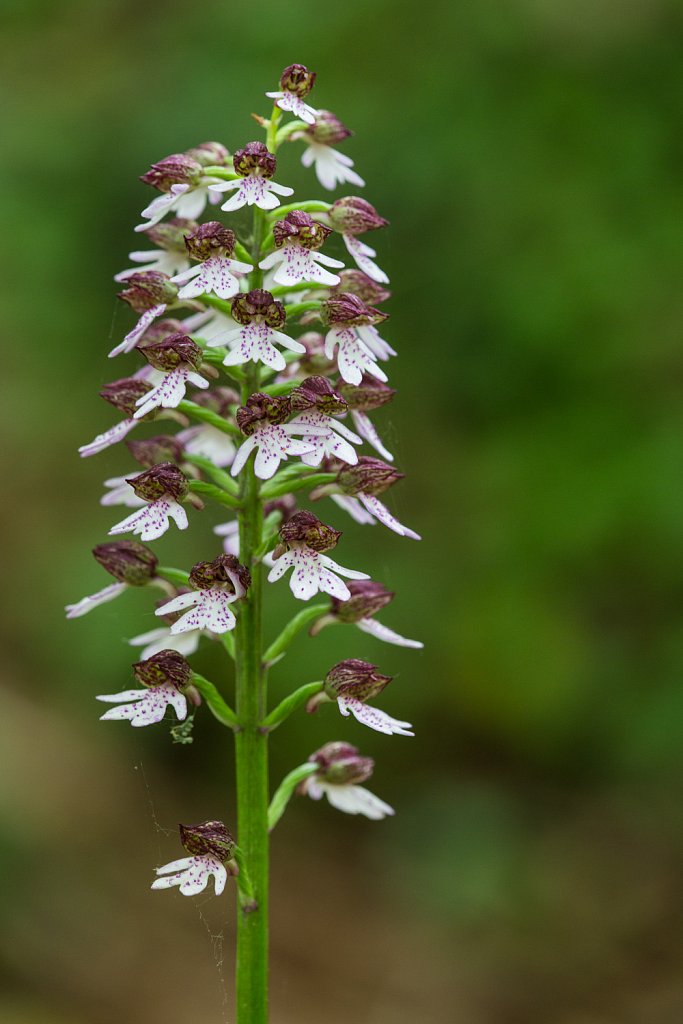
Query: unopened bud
x=211 y=837
x=164 y=478
x=127 y=561
x=254 y=158
x=210 y=239
x=317 y=393
x=297 y=79
x=367 y=598
x=124 y=393
x=258 y=306
x=368 y=476
x=164 y=448
x=369 y=394
x=328 y=129
x=301 y=227
x=162 y=669
x=306 y=528
x=148 y=288
x=261 y=409
x=355 y=678
x=340 y=764
x=176 y=350
x=354 y=216
x=348 y=309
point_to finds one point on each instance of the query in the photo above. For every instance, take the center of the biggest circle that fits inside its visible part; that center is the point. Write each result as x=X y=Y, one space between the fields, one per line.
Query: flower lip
x=300 y=227
x=127 y=561
x=348 y=309
x=147 y=289
x=225 y=571
x=254 y=159
x=260 y=409
x=317 y=393
x=172 y=352
x=210 y=239
x=163 y=448
x=258 y=304
x=209 y=837
x=298 y=79
x=168 y=667
x=305 y=527
x=368 y=476
x=155 y=482
x=177 y=169
x=328 y=129
x=354 y=215
x=355 y=678
x=369 y=394
x=124 y=393
x=367 y=598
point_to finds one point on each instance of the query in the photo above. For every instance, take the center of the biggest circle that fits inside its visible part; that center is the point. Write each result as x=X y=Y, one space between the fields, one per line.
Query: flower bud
x=148 y=288
x=355 y=678
x=306 y=528
x=212 y=837
x=254 y=158
x=301 y=227
x=210 y=239
x=163 y=668
x=170 y=234
x=164 y=448
x=369 y=394
x=346 y=308
x=297 y=79
x=177 y=169
x=367 y=598
x=225 y=571
x=354 y=215
x=127 y=561
x=358 y=283
x=340 y=764
x=164 y=478
x=317 y=393
x=260 y=409
x=258 y=306
x=209 y=154
x=124 y=393
x=172 y=352
x=368 y=476
x=328 y=129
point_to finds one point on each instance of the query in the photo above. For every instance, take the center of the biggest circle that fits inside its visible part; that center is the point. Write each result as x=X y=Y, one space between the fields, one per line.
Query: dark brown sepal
x=317 y=393
x=164 y=478
x=258 y=305
x=164 y=668
x=367 y=598
x=304 y=527
x=127 y=561
x=210 y=239
x=211 y=837
x=355 y=678
x=368 y=476
x=174 y=351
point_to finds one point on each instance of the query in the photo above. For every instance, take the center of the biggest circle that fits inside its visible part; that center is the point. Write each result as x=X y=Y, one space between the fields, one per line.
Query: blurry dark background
x=524 y=153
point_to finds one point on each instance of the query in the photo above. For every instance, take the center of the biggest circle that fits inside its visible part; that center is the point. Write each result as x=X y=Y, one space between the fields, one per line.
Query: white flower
x=208 y=609
x=166 y=261
x=365 y=508
x=354 y=357
x=209 y=442
x=171 y=391
x=328 y=443
x=252 y=190
x=362 y=254
x=349 y=798
x=375 y=719
x=145 y=707
x=230 y=532
x=297 y=264
x=381 y=632
x=293 y=104
x=217 y=274
x=367 y=431
x=313 y=572
x=120 y=492
x=152 y=521
x=256 y=341
x=109 y=437
x=187 y=201
x=133 y=337
x=192 y=874
x=86 y=604
x=332 y=168
x=275 y=444
x=162 y=639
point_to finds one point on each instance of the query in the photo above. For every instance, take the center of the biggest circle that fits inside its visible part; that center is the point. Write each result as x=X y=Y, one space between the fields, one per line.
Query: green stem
x=291 y=704
x=178 y=577
x=215 y=493
x=285 y=790
x=288 y=486
x=299 y=622
x=251 y=744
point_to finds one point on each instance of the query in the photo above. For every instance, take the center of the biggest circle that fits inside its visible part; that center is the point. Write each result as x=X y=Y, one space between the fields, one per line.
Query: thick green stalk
x=251 y=743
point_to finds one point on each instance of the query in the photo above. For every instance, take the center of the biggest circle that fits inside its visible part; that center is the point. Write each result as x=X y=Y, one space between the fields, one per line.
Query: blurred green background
x=525 y=155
